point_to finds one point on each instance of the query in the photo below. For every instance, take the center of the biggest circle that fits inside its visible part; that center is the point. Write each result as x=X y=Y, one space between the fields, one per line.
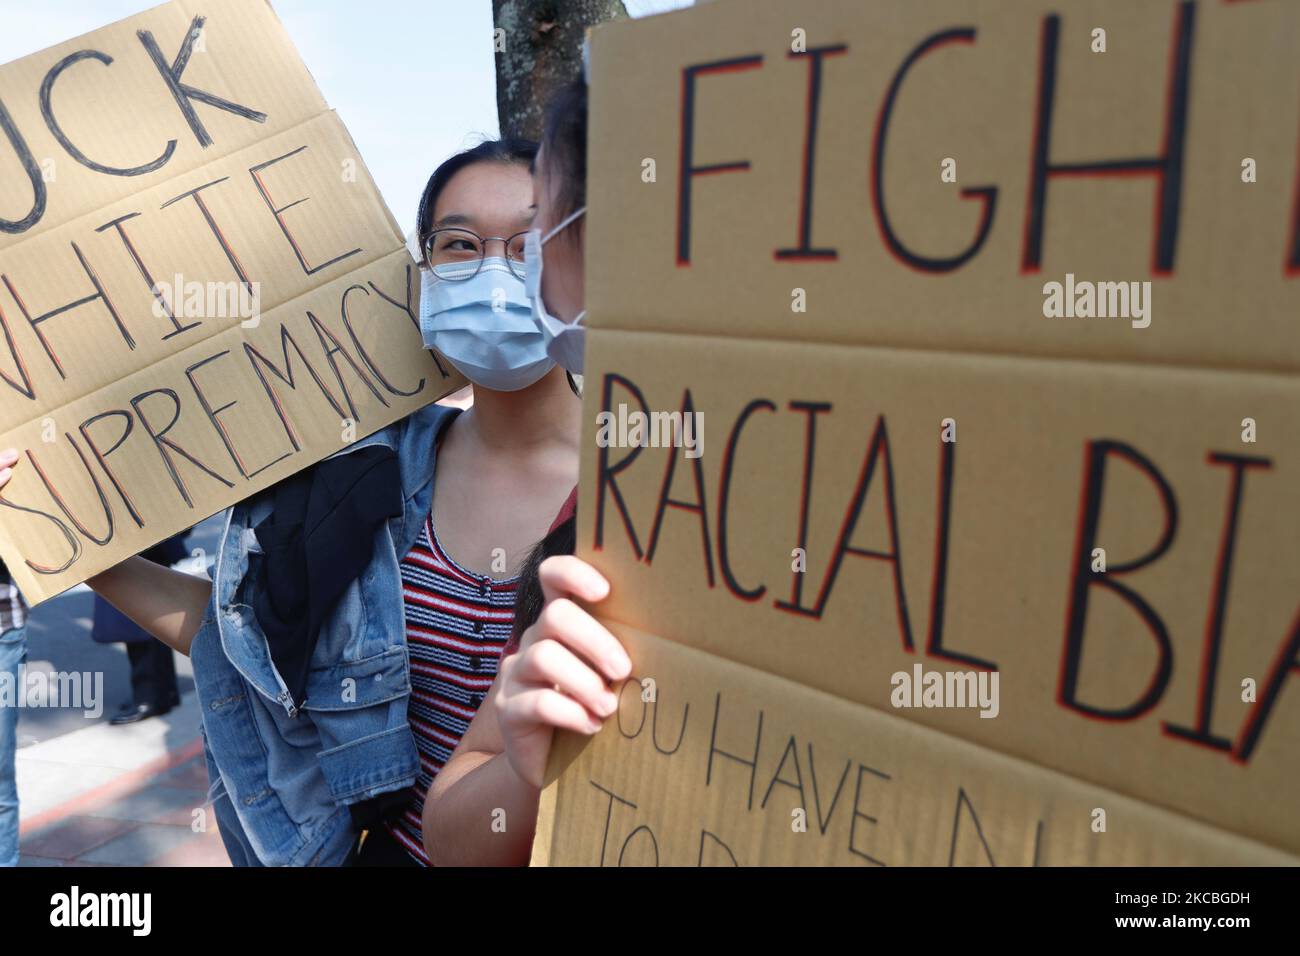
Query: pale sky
x=413 y=81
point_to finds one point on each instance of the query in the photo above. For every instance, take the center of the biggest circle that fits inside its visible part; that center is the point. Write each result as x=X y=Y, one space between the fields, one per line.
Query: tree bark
x=538 y=46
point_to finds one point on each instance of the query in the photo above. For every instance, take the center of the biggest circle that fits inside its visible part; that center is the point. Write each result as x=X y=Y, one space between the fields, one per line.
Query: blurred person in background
x=153 y=668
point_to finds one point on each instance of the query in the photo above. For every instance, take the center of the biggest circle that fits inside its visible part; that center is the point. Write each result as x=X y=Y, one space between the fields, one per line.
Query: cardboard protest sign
x=201 y=290
x=948 y=521
x=736 y=767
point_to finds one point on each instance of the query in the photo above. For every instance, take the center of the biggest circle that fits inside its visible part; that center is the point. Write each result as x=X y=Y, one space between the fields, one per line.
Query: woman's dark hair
x=564 y=142
x=564 y=139
x=509 y=150
x=528 y=597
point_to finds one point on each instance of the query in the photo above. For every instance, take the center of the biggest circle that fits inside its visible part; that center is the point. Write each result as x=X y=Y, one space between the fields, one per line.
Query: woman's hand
x=8 y=458
x=560 y=675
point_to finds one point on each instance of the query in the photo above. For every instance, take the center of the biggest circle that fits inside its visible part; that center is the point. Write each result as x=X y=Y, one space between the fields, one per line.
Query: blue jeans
x=13 y=651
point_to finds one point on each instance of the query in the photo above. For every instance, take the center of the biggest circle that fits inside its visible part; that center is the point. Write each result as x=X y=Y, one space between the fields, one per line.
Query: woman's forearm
x=168 y=604
x=484 y=814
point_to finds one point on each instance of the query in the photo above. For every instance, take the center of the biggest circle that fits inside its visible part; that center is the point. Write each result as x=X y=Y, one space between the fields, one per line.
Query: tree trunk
x=538 y=46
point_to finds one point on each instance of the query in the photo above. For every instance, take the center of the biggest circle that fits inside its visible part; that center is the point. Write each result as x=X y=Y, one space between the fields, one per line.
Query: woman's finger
x=550 y=664
x=562 y=620
x=564 y=575
x=544 y=705
x=8 y=458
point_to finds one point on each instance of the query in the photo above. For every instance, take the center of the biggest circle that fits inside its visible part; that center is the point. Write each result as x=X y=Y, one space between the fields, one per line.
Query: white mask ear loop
x=570 y=218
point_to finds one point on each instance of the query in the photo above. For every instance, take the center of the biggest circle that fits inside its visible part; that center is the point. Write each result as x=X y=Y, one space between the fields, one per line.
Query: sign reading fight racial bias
x=985 y=544
x=201 y=290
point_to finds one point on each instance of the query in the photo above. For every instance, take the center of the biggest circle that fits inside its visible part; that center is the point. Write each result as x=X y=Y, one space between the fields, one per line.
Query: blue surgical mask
x=484 y=325
x=565 y=341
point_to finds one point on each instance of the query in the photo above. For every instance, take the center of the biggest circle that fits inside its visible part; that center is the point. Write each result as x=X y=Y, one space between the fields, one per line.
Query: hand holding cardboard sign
x=8 y=458
x=559 y=676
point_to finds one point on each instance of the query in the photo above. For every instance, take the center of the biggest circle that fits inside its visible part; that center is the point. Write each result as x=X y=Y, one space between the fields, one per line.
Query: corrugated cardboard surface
x=734 y=767
x=46 y=272
x=123 y=113
x=104 y=340
x=1166 y=682
x=720 y=578
x=1229 y=300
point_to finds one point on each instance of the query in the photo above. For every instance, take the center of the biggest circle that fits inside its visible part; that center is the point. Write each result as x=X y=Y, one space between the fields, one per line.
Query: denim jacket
x=291 y=773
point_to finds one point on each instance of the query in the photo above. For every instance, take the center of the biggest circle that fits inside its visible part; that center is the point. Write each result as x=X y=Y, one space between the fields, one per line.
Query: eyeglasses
x=454 y=244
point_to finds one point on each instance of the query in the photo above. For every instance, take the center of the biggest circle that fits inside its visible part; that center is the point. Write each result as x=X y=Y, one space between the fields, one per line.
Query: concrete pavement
x=93 y=794
x=117 y=796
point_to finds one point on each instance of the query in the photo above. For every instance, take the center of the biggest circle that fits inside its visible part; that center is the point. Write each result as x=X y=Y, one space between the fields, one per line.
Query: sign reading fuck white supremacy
x=201 y=290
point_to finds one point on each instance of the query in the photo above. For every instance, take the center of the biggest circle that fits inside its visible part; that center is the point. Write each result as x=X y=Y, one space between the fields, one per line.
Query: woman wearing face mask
x=503 y=465
x=561 y=661
x=349 y=636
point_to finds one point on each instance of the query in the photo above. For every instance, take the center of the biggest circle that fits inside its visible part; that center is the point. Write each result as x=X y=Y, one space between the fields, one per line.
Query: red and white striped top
x=457 y=623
